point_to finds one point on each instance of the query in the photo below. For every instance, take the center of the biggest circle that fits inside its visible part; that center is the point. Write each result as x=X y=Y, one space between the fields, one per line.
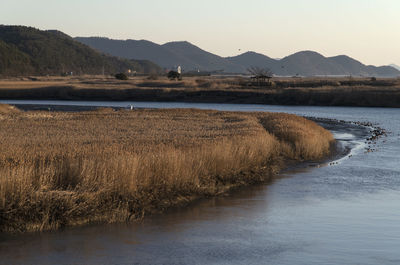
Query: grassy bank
x=61 y=169
x=283 y=91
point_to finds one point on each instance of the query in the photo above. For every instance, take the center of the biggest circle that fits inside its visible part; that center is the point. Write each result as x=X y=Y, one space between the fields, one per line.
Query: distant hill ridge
x=191 y=57
x=395 y=66
x=26 y=51
x=168 y=55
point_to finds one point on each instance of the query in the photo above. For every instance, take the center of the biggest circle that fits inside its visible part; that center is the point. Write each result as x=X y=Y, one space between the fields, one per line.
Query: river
x=346 y=213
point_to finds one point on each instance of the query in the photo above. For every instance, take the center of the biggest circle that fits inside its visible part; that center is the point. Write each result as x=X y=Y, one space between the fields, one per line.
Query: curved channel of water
x=346 y=213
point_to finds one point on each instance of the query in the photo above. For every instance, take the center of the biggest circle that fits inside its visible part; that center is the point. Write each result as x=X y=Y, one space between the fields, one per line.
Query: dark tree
x=260 y=75
x=172 y=75
x=121 y=76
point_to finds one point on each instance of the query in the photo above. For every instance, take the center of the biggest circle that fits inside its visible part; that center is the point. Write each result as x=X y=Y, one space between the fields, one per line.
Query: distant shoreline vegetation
x=361 y=92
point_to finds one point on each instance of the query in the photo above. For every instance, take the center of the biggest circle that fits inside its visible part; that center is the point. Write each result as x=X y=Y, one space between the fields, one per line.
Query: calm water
x=348 y=213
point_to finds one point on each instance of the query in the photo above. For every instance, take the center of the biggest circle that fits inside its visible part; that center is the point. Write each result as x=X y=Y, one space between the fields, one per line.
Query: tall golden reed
x=62 y=169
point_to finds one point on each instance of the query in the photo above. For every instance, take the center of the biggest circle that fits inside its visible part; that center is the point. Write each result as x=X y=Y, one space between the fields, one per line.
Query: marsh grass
x=7 y=109
x=61 y=169
x=284 y=91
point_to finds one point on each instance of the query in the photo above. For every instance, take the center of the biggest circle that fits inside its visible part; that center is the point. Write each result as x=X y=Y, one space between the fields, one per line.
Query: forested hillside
x=26 y=50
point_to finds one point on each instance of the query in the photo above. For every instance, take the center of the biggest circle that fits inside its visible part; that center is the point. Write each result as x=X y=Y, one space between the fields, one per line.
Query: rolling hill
x=13 y=61
x=310 y=63
x=247 y=59
x=191 y=57
x=395 y=66
x=26 y=50
x=307 y=63
x=199 y=59
x=169 y=55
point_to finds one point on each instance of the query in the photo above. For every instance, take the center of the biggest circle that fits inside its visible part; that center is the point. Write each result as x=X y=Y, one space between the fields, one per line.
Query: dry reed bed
x=362 y=92
x=62 y=169
x=200 y=83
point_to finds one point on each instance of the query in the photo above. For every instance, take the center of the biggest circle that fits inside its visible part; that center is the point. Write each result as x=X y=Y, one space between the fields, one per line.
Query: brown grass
x=284 y=91
x=7 y=109
x=62 y=169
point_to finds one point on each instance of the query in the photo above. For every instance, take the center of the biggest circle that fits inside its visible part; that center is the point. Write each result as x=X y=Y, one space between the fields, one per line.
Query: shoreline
x=293 y=97
x=293 y=167
x=329 y=124
x=256 y=175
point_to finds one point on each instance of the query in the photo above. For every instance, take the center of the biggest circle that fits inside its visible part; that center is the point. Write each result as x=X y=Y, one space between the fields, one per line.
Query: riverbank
x=362 y=92
x=63 y=169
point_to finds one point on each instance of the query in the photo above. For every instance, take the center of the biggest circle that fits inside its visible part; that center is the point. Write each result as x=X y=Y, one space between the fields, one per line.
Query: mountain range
x=395 y=66
x=193 y=58
x=27 y=51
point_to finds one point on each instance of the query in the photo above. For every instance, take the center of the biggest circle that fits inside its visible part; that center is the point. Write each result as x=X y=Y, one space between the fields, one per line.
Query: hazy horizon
x=361 y=29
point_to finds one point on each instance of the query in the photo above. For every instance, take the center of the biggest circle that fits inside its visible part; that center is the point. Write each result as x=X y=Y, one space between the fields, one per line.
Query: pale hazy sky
x=368 y=30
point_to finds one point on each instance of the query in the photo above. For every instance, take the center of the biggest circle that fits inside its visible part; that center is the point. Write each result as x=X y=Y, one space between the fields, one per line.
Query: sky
x=367 y=30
